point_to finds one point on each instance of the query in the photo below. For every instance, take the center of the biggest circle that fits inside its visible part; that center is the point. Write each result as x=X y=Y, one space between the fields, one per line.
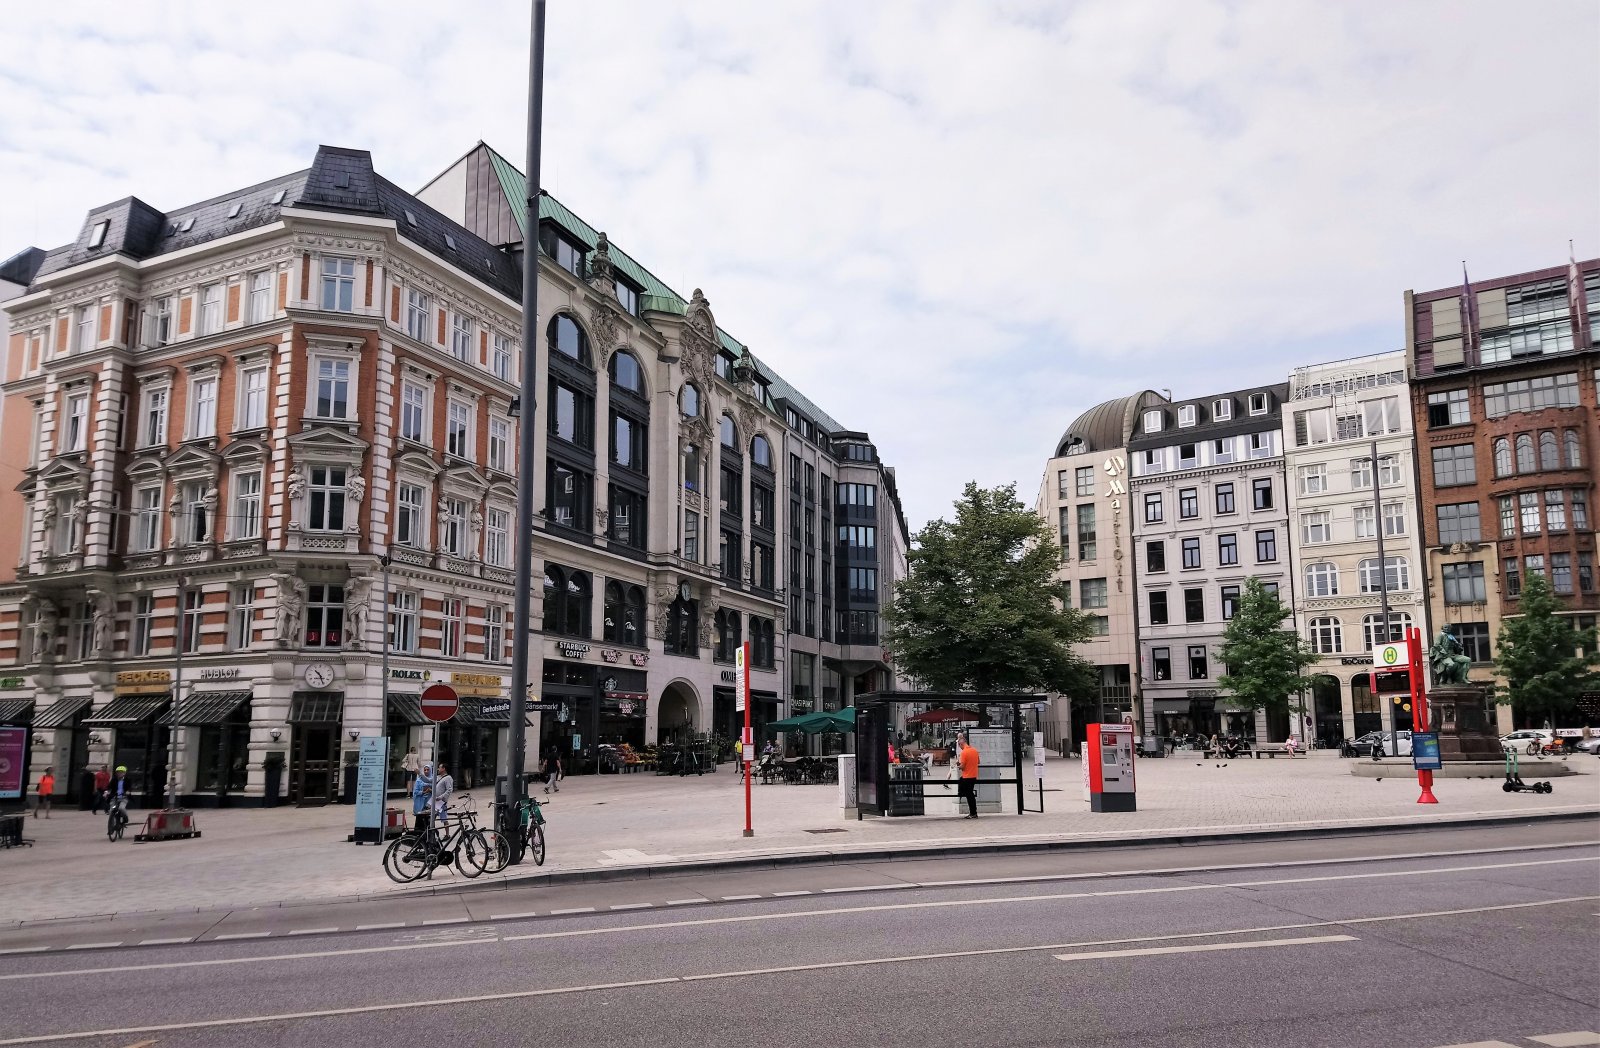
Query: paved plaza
x=252 y=858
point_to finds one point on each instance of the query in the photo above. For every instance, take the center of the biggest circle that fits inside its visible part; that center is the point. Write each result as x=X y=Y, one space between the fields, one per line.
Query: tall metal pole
x=177 y=737
x=383 y=672
x=523 y=608
x=1383 y=585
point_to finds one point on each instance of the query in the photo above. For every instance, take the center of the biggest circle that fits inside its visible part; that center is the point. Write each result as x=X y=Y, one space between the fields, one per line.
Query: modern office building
x=1503 y=396
x=1208 y=510
x=1084 y=496
x=1340 y=505
x=263 y=447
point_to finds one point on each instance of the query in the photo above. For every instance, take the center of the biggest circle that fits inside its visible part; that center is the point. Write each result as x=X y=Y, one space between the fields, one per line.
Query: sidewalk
x=255 y=858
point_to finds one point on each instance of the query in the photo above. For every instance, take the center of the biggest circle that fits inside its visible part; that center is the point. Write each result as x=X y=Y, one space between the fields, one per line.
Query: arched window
x=1502 y=457
x=1398 y=574
x=624 y=614
x=1525 y=453
x=1574 y=456
x=633 y=617
x=568 y=339
x=683 y=628
x=1322 y=580
x=625 y=372
x=689 y=401
x=1327 y=636
x=730 y=435
x=1549 y=450
x=761 y=451
x=1372 y=629
x=566 y=602
x=728 y=634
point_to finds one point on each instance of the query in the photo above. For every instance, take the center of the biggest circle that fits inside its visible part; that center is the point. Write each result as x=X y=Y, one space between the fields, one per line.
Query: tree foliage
x=1547 y=662
x=1265 y=662
x=980 y=608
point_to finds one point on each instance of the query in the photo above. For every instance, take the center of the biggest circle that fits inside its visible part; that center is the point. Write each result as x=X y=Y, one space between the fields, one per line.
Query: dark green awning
x=206 y=708
x=316 y=707
x=16 y=711
x=406 y=709
x=128 y=710
x=61 y=712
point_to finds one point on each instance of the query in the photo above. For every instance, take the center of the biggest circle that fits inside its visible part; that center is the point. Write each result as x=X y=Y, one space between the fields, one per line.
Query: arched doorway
x=675 y=715
x=1327 y=709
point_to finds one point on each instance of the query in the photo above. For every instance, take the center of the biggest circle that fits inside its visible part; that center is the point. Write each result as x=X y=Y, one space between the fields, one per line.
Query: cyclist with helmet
x=117 y=796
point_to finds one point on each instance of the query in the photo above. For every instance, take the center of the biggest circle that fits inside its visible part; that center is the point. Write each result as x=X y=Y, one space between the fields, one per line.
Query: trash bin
x=905 y=789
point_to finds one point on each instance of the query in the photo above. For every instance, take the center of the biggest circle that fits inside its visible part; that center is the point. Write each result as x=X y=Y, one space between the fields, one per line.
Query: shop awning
x=406 y=709
x=206 y=708
x=16 y=711
x=128 y=710
x=60 y=714
x=316 y=707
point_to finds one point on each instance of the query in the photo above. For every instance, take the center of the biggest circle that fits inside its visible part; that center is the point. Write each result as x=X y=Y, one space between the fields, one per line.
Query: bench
x=1258 y=752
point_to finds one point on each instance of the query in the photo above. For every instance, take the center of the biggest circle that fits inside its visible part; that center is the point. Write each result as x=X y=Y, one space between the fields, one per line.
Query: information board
x=13 y=762
x=371 y=779
x=1038 y=755
x=1425 y=751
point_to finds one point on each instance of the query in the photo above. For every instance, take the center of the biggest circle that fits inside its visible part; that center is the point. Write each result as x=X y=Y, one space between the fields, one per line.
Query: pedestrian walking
x=102 y=782
x=411 y=764
x=967 y=760
x=550 y=769
x=47 y=791
x=422 y=795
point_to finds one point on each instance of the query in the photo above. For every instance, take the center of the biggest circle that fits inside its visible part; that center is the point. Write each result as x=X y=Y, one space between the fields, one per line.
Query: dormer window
x=277 y=198
x=1187 y=416
x=628 y=297
x=1152 y=421
x=1258 y=403
x=97 y=235
x=1222 y=410
x=188 y=224
x=567 y=253
x=449 y=241
x=233 y=212
x=411 y=219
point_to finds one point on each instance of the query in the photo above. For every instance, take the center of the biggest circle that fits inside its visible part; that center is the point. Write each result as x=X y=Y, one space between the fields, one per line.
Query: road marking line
x=447 y=920
x=685 y=902
x=512 y=916
x=379 y=927
x=312 y=931
x=573 y=909
x=867 y=888
x=1568 y=1040
x=242 y=960
x=1152 y=951
x=166 y=942
x=740 y=898
x=633 y=906
x=240 y=935
x=1481 y=1044
x=93 y=945
x=23 y=949
x=1406 y=873
x=788 y=895
x=368 y=1009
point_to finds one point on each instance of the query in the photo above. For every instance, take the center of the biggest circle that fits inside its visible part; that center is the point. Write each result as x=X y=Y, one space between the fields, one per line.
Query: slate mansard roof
x=1106 y=426
x=1207 y=425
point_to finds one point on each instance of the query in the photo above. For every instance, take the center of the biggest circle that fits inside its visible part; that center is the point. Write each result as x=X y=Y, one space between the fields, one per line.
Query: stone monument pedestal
x=1457 y=713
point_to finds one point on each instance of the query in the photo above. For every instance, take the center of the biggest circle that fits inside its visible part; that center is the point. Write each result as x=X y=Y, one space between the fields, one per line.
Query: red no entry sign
x=439 y=702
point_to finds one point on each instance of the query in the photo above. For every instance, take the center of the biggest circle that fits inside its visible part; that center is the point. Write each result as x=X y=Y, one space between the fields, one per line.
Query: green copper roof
x=657 y=295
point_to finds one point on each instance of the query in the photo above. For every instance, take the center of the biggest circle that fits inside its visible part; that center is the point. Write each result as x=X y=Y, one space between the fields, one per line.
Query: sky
x=955 y=225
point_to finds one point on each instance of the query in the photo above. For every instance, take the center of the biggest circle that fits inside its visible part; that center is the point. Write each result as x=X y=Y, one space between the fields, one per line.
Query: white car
x=1527 y=740
x=1363 y=744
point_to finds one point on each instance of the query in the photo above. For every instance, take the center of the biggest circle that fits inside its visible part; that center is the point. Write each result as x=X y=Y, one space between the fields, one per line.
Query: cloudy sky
x=956 y=225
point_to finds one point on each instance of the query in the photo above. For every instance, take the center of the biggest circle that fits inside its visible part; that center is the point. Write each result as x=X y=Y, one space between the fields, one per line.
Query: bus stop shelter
x=880 y=791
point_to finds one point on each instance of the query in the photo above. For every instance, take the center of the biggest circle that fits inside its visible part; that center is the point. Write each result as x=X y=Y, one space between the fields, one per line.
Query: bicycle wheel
x=536 y=843
x=499 y=851
x=473 y=853
x=406 y=858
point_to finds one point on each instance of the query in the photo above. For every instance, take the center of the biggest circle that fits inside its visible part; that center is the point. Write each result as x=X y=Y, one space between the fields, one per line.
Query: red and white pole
x=747 y=743
x=1419 y=708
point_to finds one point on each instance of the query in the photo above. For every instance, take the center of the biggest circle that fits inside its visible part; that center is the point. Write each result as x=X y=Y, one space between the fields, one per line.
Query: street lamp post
x=1383 y=588
x=523 y=609
x=178 y=734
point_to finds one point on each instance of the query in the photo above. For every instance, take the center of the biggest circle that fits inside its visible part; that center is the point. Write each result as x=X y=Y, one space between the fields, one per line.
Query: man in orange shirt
x=968 y=761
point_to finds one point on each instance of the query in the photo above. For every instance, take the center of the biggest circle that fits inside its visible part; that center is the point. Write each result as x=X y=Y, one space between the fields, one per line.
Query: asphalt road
x=1498 y=942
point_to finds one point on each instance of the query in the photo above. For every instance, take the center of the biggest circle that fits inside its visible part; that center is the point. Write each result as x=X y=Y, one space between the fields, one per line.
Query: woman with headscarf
x=422 y=795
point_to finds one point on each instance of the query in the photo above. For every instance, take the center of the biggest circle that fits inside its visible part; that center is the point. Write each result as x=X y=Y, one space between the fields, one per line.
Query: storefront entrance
x=471 y=749
x=139 y=743
x=314 y=718
x=675 y=715
x=1328 y=710
x=66 y=717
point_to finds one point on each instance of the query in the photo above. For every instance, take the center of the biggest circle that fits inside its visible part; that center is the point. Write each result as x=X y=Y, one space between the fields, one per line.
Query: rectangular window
x=572 y=420
x=1230 y=602
x=1528 y=507
x=1474 y=638
x=1198 y=669
x=1381 y=417
x=1316 y=527
x=627 y=296
x=1586 y=572
x=627 y=523
x=1186 y=416
x=1389 y=473
x=454 y=539
x=1258 y=403
x=1092 y=593
x=1221 y=410
x=1561 y=572
x=1188 y=456
x=1087 y=548
x=497 y=538
x=333 y=389
x=461 y=331
x=858 y=537
x=419 y=312
x=410 y=500
x=194 y=525
x=1063 y=484
x=210 y=309
x=1458 y=522
x=454 y=627
x=1189 y=503
x=1555 y=510
x=1222 y=451
x=1191 y=553
x=153 y=417
x=245 y=518
x=500 y=445
x=325 y=499
x=160 y=322
x=203 y=407
x=502 y=358
x=325 y=617
x=242 y=615
x=1266 y=546
x=1531 y=394
x=494 y=633
x=1534 y=564
x=1227 y=549
x=339 y=284
x=1261 y=492
x=1449 y=408
x=1365 y=518
x=191 y=619
x=76 y=435
x=403 y=622
x=1194 y=605
x=1158 y=607
x=1580 y=509
x=146 y=519
x=260 y=296
x=1064 y=531
x=1463 y=583
x=1083 y=479
x=691 y=536
x=1155 y=556
x=144 y=623
x=83 y=337
x=1224 y=495
x=413 y=412
x=252 y=398
x=1361 y=473
x=1161 y=663
x=1314 y=479
x=1513 y=576
x=1152 y=508
x=458 y=430
x=1260 y=445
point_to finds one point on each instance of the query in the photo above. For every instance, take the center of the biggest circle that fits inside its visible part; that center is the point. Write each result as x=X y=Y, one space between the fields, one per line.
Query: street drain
x=831 y=829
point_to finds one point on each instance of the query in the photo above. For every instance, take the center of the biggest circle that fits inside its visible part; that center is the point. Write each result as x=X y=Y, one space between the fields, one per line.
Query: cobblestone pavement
x=251 y=858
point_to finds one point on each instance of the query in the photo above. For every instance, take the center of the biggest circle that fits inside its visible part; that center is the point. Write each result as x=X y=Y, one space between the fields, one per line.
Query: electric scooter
x=1514 y=783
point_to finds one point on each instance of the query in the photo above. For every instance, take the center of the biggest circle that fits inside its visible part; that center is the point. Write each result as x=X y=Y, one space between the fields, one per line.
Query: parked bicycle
x=453 y=840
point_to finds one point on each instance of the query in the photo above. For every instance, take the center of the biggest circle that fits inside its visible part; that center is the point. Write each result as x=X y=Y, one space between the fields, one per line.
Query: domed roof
x=1106 y=425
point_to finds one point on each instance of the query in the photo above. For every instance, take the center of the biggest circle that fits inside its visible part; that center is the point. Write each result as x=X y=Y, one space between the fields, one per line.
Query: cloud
x=955 y=226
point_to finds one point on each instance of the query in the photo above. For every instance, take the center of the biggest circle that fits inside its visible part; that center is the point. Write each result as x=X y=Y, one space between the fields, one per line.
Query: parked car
x=1364 y=743
x=1591 y=745
x=1527 y=740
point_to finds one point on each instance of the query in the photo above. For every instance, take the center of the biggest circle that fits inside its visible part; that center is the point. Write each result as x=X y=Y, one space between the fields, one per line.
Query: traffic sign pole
x=1419 y=711
x=747 y=743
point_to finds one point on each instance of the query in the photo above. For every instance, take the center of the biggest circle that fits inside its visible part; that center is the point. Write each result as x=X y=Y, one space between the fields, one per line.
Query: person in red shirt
x=102 y=783
x=968 y=788
x=47 y=792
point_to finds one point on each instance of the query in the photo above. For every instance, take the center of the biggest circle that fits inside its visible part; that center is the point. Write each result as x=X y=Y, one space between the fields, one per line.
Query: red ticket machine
x=1109 y=759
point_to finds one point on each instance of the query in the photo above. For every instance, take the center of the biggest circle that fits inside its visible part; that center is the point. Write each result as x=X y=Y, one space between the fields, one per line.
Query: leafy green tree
x=1545 y=660
x=1265 y=663
x=980 y=608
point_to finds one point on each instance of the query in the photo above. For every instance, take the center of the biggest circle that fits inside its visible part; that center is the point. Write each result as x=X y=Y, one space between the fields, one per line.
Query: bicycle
x=530 y=824
x=116 y=817
x=464 y=846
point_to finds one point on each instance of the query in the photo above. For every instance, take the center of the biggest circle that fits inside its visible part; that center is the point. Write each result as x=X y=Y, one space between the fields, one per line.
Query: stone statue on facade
x=209 y=501
x=47 y=527
x=291 y=607
x=355 y=489
x=297 y=481
x=1447 y=659
x=474 y=532
x=45 y=623
x=357 y=605
x=441 y=524
x=601 y=273
x=104 y=624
